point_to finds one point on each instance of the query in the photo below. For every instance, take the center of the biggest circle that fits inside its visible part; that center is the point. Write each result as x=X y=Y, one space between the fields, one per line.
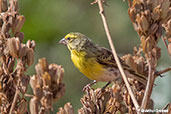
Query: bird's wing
x=106 y=58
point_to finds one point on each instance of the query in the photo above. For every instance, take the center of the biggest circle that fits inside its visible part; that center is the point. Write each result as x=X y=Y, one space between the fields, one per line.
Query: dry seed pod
x=13 y=5
x=132 y=14
x=153 y=29
x=165 y=8
x=61 y=111
x=28 y=44
x=46 y=100
x=81 y=111
x=144 y=24
x=60 y=74
x=23 y=50
x=140 y=68
x=147 y=44
x=155 y=3
x=143 y=42
x=114 y=107
x=13 y=46
x=20 y=35
x=147 y=14
x=46 y=79
x=16 y=5
x=3 y=5
x=130 y=61
x=168 y=27
x=30 y=56
x=22 y=108
x=23 y=85
x=41 y=67
x=95 y=101
x=31 y=44
x=68 y=109
x=156 y=14
x=56 y=72
x=138 y=18
x=60 y=91
x=138 y=5
x=168 y=16
x=18 y=24
x=5 y=27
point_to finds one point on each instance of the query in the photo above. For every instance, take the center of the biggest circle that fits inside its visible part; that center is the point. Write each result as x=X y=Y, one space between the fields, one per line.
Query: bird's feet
x=88 y=86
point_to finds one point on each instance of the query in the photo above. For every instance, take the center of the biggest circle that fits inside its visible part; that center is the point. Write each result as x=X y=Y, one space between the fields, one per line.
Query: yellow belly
x=89 y=67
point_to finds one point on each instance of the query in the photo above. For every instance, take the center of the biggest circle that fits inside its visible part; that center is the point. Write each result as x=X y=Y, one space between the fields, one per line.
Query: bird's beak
x=63 y=41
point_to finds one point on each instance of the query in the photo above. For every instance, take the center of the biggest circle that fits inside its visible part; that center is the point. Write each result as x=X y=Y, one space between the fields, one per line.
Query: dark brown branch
x=163 y=71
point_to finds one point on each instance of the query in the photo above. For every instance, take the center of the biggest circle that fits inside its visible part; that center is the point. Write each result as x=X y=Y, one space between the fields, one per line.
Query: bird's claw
x=86 y=88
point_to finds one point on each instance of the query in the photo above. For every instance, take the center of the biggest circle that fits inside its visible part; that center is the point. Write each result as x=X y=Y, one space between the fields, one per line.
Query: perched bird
x=94 y=61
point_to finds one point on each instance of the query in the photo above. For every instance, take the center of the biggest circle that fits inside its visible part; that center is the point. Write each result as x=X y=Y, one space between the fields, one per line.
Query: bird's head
x=74 y=40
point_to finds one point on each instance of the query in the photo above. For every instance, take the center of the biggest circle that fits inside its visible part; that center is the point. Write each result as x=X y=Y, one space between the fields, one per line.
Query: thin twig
x=166 y=106
x=28 y=95
x=14 y=100
x=150 y=83
x=115 y=54
x=165 y=43
x=149 y=87
x=163 y=71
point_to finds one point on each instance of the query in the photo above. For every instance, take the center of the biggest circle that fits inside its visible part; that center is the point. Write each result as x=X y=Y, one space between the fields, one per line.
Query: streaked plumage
x=95 y=62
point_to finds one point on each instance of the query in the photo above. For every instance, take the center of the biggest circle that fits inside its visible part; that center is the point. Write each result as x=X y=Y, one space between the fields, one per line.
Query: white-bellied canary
x=94 y=61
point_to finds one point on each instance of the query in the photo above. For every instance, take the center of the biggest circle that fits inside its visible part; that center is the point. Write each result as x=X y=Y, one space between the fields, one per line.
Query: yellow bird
x=94 y=61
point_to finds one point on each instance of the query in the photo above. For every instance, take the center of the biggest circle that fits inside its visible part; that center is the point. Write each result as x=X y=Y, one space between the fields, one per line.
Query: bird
x=96 y=62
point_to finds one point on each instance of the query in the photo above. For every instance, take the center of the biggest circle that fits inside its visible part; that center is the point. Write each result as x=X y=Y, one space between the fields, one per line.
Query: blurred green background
x=47 y=21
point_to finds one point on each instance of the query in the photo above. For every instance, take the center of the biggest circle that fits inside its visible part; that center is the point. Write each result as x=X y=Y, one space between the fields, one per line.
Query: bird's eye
x=68 y=38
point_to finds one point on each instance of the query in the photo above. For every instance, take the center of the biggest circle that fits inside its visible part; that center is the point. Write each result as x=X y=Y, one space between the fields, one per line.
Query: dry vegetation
x=152 y=21
x=15 y=59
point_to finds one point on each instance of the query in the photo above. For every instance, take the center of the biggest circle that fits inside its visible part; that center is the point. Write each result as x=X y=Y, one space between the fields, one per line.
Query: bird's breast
x=88 y=66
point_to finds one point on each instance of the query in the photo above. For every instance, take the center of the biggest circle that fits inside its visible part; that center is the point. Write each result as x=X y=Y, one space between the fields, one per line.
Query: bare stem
x=163 y=71
x=28 y=95
x=115 y=55
x=166 y=106
x=165 y=43
x=14 y=100
x=149 y=87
